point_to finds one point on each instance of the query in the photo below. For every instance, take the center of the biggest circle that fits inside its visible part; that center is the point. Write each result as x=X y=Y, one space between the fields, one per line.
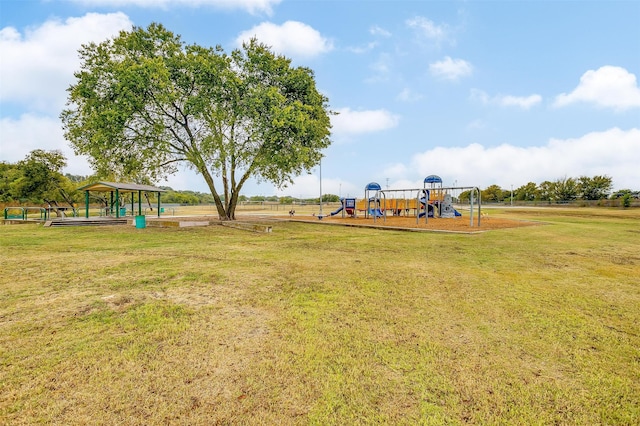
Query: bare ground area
x=459 y=224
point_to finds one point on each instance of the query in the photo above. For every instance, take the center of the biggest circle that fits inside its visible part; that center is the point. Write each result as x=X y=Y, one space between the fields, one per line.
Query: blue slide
x=336 y=212
x=430 y=210
x=320 y=216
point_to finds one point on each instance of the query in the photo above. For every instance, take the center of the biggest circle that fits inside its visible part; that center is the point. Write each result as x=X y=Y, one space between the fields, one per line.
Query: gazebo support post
x=86 y=203
x=117 y=203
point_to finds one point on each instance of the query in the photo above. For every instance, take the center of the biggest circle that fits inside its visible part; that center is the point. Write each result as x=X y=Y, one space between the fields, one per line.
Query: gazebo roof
x=121 y=187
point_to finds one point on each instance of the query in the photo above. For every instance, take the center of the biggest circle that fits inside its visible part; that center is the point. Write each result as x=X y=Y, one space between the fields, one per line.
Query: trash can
x=141 y=221
x=161 y=209
x=123 y=211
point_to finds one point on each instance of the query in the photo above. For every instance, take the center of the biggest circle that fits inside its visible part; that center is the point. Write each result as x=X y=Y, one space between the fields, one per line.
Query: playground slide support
x=471 y=193
x=426 y=194
x=378 y=203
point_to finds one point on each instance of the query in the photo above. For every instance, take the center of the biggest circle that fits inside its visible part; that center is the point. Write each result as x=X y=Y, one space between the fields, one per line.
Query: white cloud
x=186 y=180
x=395 y=170
x=451 y=69
x=480 y=96
x=23 y=135
x=363 y=49
x=381 y=68
x=476 y=124
x=613 y=152
x=524 y=102
x=291 y=38
x=38 y=65
x=308 y=186
x=252 y=6
x=405 y=184
x=428 y=29
x=607 y=87
x=378 y=31
x=375 y=31
x=349 y=122
x=407 y=95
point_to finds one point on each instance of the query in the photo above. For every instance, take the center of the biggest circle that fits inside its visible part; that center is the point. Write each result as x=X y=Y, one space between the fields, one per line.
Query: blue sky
x=477 y=92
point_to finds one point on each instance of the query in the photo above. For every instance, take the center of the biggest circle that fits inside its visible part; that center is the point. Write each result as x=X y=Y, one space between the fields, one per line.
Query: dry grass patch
x=322 y=325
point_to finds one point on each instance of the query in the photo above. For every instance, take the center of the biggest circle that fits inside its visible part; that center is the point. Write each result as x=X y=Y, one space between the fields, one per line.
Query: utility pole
x=320 y=185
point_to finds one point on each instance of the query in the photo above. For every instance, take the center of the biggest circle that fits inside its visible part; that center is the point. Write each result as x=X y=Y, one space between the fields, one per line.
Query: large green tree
x=526 y=192
x=144 y=102
x=37 y=179
x=39 y=176
x=594 y=188
x=492 y=194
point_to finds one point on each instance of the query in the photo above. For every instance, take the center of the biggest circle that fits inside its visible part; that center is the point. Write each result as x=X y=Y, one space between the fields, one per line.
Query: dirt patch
x=459 y=224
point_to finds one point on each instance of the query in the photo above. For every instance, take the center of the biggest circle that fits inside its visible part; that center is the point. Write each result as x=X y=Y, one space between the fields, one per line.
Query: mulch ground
x=459 y=224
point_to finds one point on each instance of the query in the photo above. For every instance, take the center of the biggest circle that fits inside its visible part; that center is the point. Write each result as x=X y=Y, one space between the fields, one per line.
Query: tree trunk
x=231 y=207
x=53 y=205
x=222 y=213
x=68 y=200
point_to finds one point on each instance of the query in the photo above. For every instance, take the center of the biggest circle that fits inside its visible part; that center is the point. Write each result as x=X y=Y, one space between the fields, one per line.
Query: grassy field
x=323 y=325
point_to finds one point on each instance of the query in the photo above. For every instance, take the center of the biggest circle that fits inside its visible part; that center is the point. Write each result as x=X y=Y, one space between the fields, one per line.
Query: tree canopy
x=37 y=179
x=564 y=189
x=144 y=102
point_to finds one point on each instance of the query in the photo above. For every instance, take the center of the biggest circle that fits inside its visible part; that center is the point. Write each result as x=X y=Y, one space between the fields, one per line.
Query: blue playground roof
x=433 y=179
x=373 y=186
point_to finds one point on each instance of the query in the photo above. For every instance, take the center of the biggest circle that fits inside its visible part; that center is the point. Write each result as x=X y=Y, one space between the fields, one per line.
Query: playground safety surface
x=459 y=224
x=455 y=225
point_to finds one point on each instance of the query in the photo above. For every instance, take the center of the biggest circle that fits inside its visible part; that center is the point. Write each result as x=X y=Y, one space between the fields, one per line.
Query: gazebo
x=116 y=190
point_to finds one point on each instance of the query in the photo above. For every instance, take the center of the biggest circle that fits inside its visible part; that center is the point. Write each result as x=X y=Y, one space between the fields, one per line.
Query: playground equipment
x=374 y=211
x=446 y=208
x=347 y=206
x=433 y=200
x=439 y=199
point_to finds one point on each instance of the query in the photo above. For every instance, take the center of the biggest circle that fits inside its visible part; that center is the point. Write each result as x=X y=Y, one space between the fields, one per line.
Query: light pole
x=455 y=184
x=320 y=185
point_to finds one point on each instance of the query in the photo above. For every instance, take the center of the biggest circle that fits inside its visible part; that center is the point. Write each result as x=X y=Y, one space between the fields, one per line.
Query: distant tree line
x=326 y=198
x=185 y=198
x=562 y=190
x=38 y=180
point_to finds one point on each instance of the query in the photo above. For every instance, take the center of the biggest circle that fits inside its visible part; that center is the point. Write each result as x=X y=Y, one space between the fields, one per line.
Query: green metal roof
x=121 y=187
